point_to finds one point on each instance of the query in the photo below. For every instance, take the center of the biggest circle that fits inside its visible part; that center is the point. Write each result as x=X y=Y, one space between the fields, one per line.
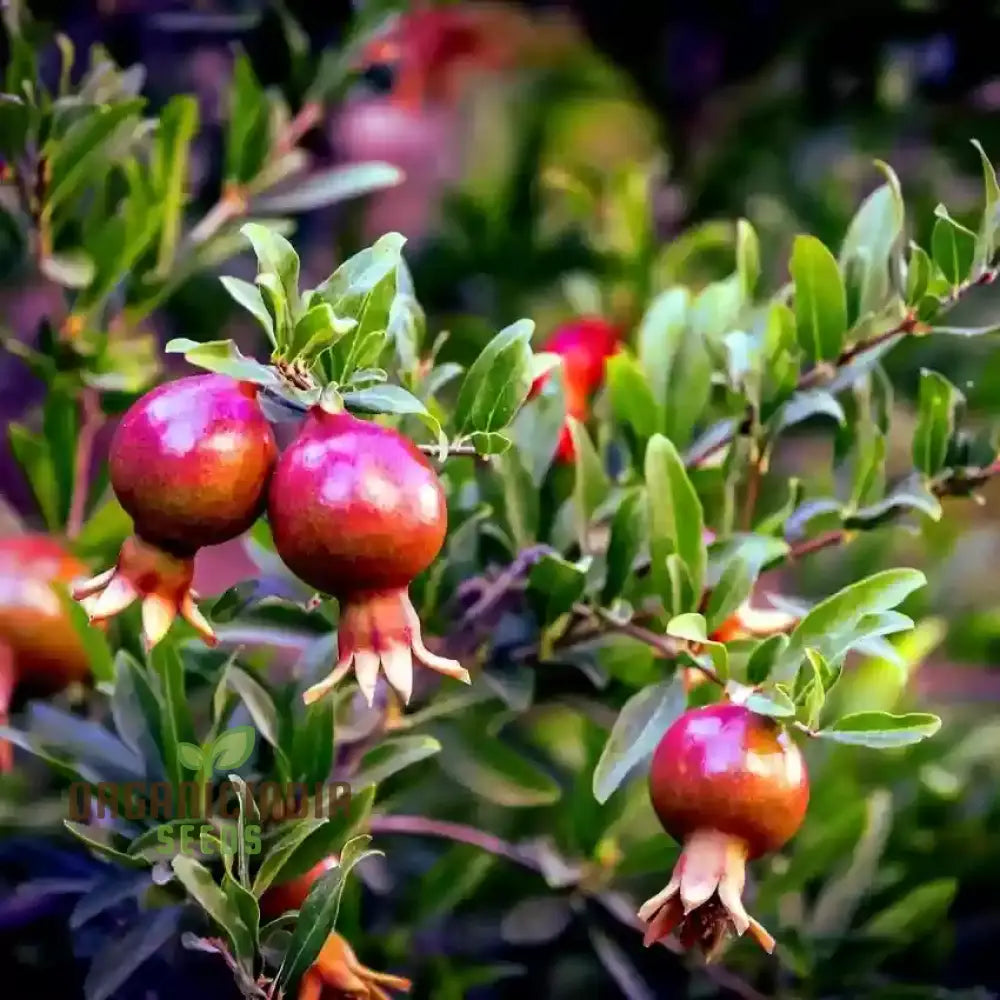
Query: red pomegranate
x=39 y=648
x=290 y=895
x=190 y=463
x=585 y=344
x=732 y=786
x=357 y=512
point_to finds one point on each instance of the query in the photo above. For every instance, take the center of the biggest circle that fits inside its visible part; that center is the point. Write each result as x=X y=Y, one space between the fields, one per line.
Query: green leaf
x=520 y=498
x=919 y=912
x=498 y=381
x=312 y=747
x=730 y=592
x=249 y=296
x=224 y=358
x=764 y=656
x=676 y=521
x=691 y=628
x=489 y=443
x=392 y=756
x=953 y=247
x=747 y=257
x=104 y=842
x=873 y=235
x=590 y=485
x=388 y=398
x=177 y=128
x=33 y=455
x=939 y=400
x=808 y=404
x=277 y=256
x=329 y=187
x=258 y=701
x=494 y=770
x=986 y=239
x=204 y=890
x=248 y=136
x=175 y=720
x=918 y=275
x=293 y=835
x=822 y=626
x=245 y=903
x=631 y=397
x=318 y=915
x=554 y=585
x=820 y=299
x=629 y=533
x=316 y=329
x=907 y=495
x=880 y=730
x=643 y=720
x=773 y=702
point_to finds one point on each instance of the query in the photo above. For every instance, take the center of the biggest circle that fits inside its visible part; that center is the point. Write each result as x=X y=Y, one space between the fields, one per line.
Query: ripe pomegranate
x=585 y=344
x=731 y=786
x=39 y=648
x=290 y=895
x=357 y=512
x=190 y=463
x=337 y=974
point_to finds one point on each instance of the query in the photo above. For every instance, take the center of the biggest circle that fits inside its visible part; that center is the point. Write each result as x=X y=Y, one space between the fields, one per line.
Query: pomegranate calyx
x=381 y=629
x=703 y=900
x=338 y=972
x=160 y=580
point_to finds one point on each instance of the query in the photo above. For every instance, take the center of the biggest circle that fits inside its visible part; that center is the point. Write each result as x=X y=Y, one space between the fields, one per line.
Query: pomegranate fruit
x=748 y=622
x=337 y=974
x=190 y=463
x=40 y=650
x=290 y=895
x=357 y=511
x=585 y=344
x=731 y=786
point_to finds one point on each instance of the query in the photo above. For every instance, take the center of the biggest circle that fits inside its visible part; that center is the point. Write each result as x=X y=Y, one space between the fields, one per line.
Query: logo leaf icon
x=190 y=756
x=233 y=748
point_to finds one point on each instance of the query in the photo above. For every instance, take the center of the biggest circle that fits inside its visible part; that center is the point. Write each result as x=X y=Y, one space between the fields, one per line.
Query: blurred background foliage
x=519 y=201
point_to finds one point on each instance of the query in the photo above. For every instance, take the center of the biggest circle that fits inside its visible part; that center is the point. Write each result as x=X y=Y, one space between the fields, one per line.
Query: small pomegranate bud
x=584 y=345
x=337 y=974
x=290 y=895
x=190 y=462
x=731 y=786
x=357 y=512
x=39 y=648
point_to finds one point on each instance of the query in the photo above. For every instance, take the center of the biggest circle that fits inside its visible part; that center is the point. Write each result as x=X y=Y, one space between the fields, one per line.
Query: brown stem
x=455 y=449
x=817 y=544
x=422 y=826
x=92 y=417
x=753 y=490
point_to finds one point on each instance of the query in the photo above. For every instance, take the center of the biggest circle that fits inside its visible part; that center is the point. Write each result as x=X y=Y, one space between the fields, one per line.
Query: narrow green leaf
x=676 y=521
x=258 y=701
x=277 y=256
x=329 y=187
x=294 y=835
x=918 y=275
x=554 y=586
x=498 y=381
x=938 y=403
x=631 y=397
x=986 y=239
x=747 y=257
x=591 y=484
x=223 y=357
x=629 y=534
x=249 y=296
x=820 y=299
x=880 y=730
x=773 y=702
x=730 y=592
x=916 y=914
x=33 y=455
x=764 y=656
x=205 y=891
x=643 y=720
x=392 y=756
x=953 y=247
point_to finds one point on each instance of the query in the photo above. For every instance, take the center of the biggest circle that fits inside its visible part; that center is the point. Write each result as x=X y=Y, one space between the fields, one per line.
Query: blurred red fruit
x=290 y=895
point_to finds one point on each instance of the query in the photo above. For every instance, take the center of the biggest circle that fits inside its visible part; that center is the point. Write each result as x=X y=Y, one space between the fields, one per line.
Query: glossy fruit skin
x=190 y=462
x=725 y=768
x=285 y=896
x=46 y=650
x=355 y=507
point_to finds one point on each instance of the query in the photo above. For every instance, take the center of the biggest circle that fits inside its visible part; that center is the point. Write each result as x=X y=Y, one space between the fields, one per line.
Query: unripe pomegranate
x=748 y=622
x=190 y=463
x=39 y=648
x=357 y=511
x=731 y=786
x=585 y=344
x=290 y=895
x=337 y=974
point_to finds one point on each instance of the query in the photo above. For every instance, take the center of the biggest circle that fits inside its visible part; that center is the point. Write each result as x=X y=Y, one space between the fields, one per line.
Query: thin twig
x=454 y=449
x=91 y=419
x=422 y=826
